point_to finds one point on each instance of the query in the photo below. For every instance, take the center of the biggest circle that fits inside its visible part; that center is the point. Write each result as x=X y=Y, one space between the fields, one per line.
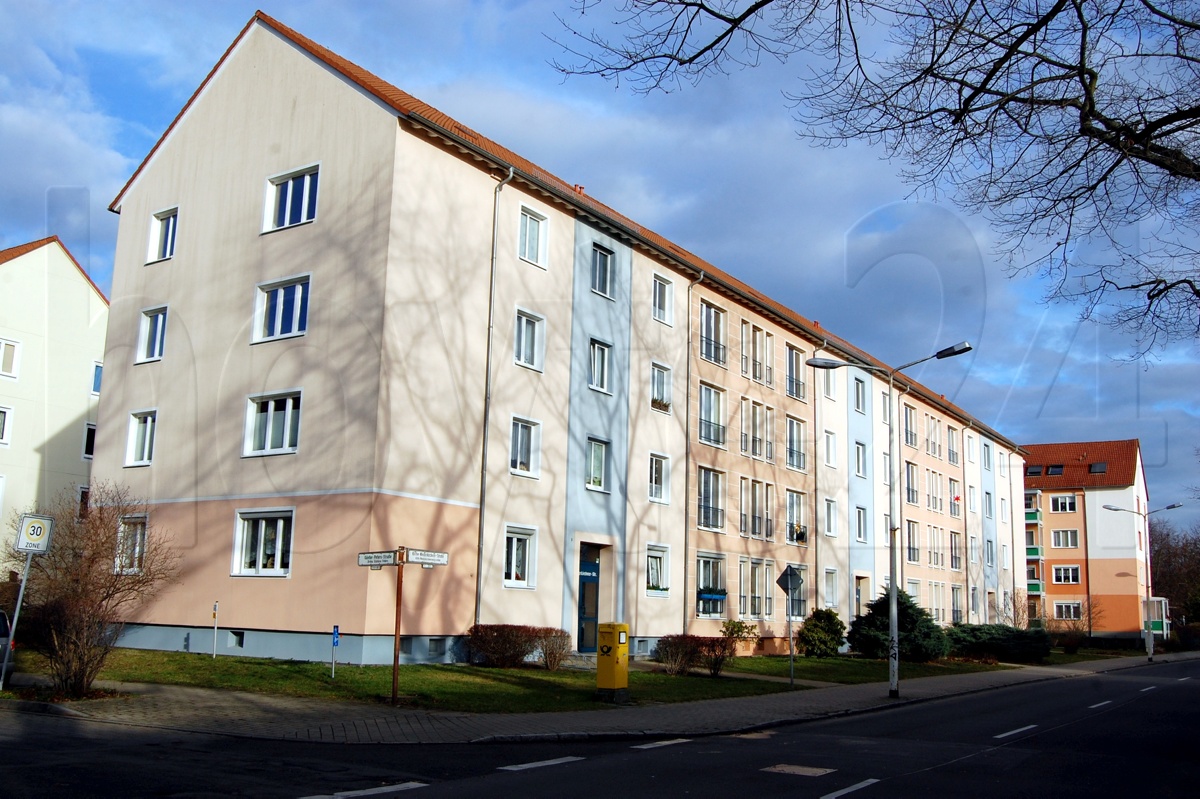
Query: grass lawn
x=1060 y=658
x=850 y=670
x=454 y=688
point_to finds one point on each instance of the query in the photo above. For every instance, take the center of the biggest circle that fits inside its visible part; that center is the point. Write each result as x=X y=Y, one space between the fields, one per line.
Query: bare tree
x=105 y=561
x=1175 y=565
x=1070 y=632
x=1065 y=122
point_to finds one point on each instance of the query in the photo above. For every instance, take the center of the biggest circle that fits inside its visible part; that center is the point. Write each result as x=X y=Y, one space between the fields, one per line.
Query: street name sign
x=426 y=557
x=377 y=559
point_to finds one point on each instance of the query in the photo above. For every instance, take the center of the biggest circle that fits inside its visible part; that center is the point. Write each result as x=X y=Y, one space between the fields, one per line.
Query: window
x=757 y=581
x=831 y=517
x=910 y=425
x=518 y=560
x=758 y=430
x=912 y=488
x=528 y=346
x=1003 y=510
x=797 y=529
x=912 y=542
x=885 y=402
x=989 y=552
x=264 y=545
x=532 y=243
x=710 y=585
x=1066 y=575
x=952 y=445
x=860 y=459
x=831 y=588
x=795 y=373
x=955 y=499
x=987 y=504
x=796 y=456
x=661 y=306
x=987 y=455
x=1064 y=539
x=1054 y=470
x=9 y=350
x=757 y=353
x=956 y=551
x=1068 y=610
x=933 y=436
x=139 y=449
x=152 y=335
x=89 y=438
x=830 y=448
x=1098 y=468
x=272 y=424
x=797 y=600
x=1062 y=503
x=281 y=309
x=131 y=545
x=598 y=365
x=936 y=556
x=860 y=395
x=97 y=374
x=657 y=569
x=711 y=429
x=597 y=464
x=860 y=524
x=974 y=549
x=162 y=235
x=970 y=448
x=1033 y=471
x=712 y=333
x=829 y=383
x=602 y=261
x=660 y=387
x=660 y=478
x=1002 y=463
x=756 y=498
x=972 y=503
x=525 y=447
x=710 y=510
x=294 y=199
x=5 y=424
x=1005 y=561
x=933 y=491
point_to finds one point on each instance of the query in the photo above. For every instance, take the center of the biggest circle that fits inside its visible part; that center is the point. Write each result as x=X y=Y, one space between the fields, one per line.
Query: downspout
x=487 y=392
x=1087 y=562
x=687 y=457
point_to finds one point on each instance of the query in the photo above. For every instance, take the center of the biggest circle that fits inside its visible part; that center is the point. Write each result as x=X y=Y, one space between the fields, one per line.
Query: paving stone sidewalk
x=288 y=718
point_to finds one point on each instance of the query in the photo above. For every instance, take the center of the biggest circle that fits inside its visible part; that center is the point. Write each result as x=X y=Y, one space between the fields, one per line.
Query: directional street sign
x=427 y=557
x=377 y=559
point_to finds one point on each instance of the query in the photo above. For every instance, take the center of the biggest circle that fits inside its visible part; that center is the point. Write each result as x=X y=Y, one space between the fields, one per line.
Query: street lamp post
x=893 y=503
x=1148 y=624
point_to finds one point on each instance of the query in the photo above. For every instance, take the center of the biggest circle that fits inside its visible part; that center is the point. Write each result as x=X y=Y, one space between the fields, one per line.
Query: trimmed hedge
x=998 y=641
x=507 y=646
x=678 y=653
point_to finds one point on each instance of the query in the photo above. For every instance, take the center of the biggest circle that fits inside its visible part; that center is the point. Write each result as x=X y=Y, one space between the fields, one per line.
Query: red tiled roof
x=420 y=113
x=1076 y=458
x=24 y=249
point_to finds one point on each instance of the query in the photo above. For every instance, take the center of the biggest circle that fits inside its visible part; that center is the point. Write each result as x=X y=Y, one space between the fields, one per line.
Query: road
x=1127 y=733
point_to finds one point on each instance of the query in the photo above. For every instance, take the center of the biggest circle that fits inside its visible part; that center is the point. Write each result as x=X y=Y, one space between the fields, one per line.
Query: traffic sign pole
x=396 y=644
x=12 y=629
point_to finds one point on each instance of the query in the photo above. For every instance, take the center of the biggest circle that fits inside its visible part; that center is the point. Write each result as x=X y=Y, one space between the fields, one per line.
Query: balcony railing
x=796 y=458
x=795 y=387
x=712 y=350
x=956 y=616
x=756 y=447
x=1035 y=586
x=1033 y=552
x=712 y=433
x=709 y=516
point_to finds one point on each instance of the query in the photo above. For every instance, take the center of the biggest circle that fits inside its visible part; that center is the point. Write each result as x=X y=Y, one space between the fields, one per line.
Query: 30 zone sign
x=34 y=534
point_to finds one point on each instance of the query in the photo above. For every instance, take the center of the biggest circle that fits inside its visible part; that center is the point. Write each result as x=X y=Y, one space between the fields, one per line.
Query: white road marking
x=657 y=744
x=404 y=786
x=1144 y=690
x=538 y=764
x=1181 y=679
x=1100 y=704
x=1014 y=732
x=851 y=789
x=799 y=771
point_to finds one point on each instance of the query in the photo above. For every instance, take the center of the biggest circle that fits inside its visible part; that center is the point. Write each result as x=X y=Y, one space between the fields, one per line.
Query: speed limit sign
x=34 y=534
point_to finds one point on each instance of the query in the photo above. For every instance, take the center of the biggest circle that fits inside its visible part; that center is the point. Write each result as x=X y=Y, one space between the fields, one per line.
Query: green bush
x=554 y=644
x=678 y=653
x=821 y=635
x=921 y=640
x=998 y=641
x=713 y=652
x=502 y=645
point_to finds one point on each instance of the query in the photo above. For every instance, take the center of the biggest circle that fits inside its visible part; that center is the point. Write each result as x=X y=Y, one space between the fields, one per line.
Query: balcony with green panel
x=1034 y=586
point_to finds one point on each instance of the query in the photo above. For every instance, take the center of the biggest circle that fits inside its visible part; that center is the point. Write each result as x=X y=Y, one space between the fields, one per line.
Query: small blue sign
x=335 y=635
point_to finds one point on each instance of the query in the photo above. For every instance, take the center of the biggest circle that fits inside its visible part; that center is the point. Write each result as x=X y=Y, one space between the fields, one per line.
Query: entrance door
x=589 y=596
x=862 y=590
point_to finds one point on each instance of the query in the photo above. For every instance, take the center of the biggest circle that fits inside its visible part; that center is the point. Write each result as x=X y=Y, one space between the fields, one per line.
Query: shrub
x=554 y=645
x=998 y=641
x=1184 y=637
x=502 y=645
x=821 y=635
x=713 y=652
x=921 y=640
x=678 y=653
x=739 y=631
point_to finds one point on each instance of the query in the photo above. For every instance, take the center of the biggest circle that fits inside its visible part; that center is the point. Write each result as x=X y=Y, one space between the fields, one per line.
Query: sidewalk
x=285 y=718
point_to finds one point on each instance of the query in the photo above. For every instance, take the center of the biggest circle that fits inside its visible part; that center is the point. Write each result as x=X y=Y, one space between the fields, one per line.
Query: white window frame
x=130 y=556
x=89 y=431
x=831 y=449
x=300 y=307
x=599 y=365
x=6 y=417
x=710 y=574
x=596 y=475
x=164 y=225
x=860 y=459
x=660 y=387
x=860 y=524
x=152 y=334
x=532 y=249
x=1068 y=574
x=797 y=452
x=1070 y=536
x=1068 y=610
x=987 y=455
x=711 y=413
x=528 y=535
x=139 y=446
x=989 y=552
x=97 y=377
x=712 y=333
x=710 y=486
x=602 y=279
x=831 y=588
x=281 y=190
x=281 y=536
x=829 y=384
x=988 y=504
x=796 y=508
x=527 y=432
x=860 y=395
x=662 y=301
x=1062 y=503
x=660 y=478
x=831 y=516
x=796 y=603
x=291 y=422
x=662 y=554
x=523 y=322
x=10 y=351
x=796 y=387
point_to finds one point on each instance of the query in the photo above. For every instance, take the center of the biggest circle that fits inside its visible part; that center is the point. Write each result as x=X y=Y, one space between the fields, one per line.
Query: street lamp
x=1146 y=518
x=893 y=506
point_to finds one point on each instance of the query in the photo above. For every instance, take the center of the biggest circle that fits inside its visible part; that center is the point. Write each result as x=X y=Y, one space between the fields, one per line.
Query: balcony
x=712 y=433
x=796 y=458
x=709 y=516
x=795 y=387
x=712 y=350
x=1033 y=516
x=1033 y=552
x=1034 y=586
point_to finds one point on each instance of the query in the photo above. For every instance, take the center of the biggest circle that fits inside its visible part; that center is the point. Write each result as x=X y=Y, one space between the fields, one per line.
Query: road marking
x=851 y=789
x=800 y=771
x=1014 y=732
x=657 y=744
x=1181 y=679
x=1100 y=704
x=538 y=764
x=404 y=786
x=1144 y=690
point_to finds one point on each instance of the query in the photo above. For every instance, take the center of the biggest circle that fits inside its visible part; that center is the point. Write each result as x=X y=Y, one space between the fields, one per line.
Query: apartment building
x=343 y=322
x=52 y=324
x=1084 y=561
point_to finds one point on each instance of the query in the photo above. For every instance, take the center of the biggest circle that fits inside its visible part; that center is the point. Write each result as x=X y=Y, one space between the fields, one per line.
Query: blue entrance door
x=589 y=596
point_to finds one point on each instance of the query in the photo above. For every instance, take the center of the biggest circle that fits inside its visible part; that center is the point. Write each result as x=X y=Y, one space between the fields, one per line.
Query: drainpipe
x=687 y=458
x=487 y=392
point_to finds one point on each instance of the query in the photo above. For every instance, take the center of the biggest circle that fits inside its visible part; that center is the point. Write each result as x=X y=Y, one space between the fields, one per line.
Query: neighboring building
x=1083 y=561
x=343 y=322
x=52 y=324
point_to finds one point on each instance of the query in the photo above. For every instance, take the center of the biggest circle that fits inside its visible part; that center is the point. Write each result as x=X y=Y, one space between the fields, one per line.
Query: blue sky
x=87 y=87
